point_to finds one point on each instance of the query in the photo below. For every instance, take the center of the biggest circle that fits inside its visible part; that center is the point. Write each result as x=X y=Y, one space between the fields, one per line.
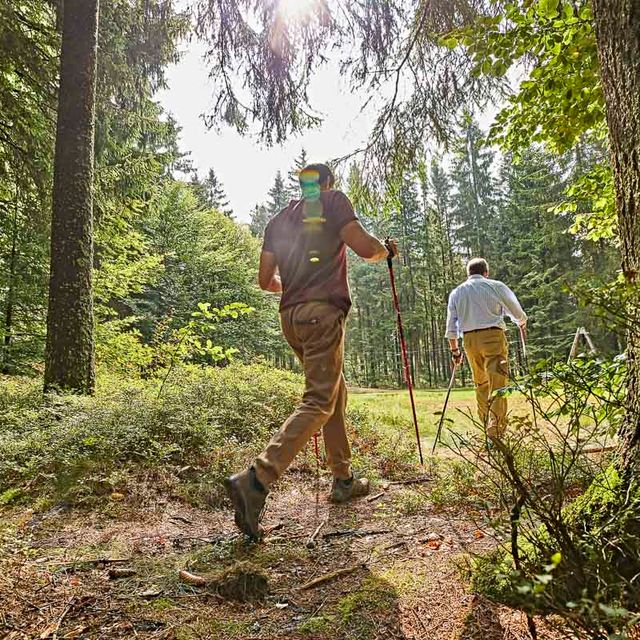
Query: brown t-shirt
x=311 y=256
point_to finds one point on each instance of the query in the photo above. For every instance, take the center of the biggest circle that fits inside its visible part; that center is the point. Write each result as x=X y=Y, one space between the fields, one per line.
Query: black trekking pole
x=403 y=345
x=523 y=340
x=446 y=402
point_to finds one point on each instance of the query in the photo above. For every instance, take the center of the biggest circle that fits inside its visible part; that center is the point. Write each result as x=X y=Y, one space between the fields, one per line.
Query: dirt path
x=407 y=579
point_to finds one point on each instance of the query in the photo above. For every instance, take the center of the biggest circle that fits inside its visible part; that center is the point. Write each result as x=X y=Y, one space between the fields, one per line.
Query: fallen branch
x=375 y=496
x=275 y=527
x=312 y=540
x=419 y=480
x=91 y=561
x=327 y=577
x=599 y=449
x=62 y=617
x=358 y=533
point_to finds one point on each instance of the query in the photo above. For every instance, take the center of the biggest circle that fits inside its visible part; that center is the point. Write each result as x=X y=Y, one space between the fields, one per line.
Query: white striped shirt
x=480 y=303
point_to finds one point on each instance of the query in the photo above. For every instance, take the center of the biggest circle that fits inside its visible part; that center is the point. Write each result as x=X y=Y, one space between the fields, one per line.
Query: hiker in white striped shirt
x=476 y=312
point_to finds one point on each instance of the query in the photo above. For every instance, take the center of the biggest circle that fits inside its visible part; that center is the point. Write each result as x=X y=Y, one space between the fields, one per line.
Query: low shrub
x=207 y=423
x=572 y=523
x=211 y=420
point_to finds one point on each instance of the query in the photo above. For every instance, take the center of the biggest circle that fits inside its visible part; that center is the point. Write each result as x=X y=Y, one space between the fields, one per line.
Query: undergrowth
x=208 y=423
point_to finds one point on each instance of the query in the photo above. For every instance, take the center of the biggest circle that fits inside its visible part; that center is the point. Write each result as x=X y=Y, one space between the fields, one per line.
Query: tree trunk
x=618 y=37
x=70 y=343
x=8 y=312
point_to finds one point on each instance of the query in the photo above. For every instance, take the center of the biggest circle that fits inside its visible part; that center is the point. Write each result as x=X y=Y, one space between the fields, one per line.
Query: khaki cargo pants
x=487 y=353
x=315 y=331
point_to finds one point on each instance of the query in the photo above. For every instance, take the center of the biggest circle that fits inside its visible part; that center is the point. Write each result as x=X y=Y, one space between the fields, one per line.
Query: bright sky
x=245 y=166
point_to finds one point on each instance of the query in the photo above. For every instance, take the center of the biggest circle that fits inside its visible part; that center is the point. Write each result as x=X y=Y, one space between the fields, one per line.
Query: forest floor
x=113 y=571
x=112 y=568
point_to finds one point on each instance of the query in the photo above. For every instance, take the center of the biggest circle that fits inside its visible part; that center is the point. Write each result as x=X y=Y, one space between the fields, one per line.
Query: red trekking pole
x=403 y=345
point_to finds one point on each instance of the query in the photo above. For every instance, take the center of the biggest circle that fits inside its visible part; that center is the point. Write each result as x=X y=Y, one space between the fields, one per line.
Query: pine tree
x=70 y=359
x=212 y=194
x=293 y=185
x=259 y=219
x=278 y=196
x=474 y=190
x=539 y=256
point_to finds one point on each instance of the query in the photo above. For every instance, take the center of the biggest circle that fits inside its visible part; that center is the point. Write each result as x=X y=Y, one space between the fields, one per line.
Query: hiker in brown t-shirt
x=304 y=257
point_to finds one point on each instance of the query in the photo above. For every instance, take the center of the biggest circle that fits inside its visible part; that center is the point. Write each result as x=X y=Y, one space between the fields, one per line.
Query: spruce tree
x=259 y=220
x=70 y=328
x=293 y=184
x=474 y=197
x=278 y=196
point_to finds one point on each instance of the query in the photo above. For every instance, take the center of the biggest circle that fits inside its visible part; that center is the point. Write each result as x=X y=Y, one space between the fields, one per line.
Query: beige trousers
x=487 y=353
x=315 y=331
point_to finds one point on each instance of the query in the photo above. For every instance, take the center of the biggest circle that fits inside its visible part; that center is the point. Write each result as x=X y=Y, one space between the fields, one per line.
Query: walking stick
x=523 y=341
x=446 y=402
x=403 y=346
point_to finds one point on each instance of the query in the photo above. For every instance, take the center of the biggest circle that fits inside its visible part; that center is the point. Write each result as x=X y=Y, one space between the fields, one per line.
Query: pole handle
x=390 y=254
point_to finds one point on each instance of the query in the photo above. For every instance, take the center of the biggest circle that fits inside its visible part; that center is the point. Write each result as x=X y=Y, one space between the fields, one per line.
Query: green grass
x=392 y=409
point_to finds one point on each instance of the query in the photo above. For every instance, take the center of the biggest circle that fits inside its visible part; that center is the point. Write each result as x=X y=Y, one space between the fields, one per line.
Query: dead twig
x=181 y=519
x=275 y=527
x=599 y=449
x=358 y=533
x=375 y=496
x=419 y=480
x=312 y=540
x=327 y=577
x=62 y=617
x=395 y=545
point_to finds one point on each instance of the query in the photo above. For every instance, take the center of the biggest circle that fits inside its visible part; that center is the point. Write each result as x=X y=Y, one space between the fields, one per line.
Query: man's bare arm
x=267 y=274
x=356 y=237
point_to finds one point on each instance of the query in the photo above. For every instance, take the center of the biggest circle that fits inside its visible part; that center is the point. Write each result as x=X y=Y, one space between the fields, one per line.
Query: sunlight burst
x=295 y=10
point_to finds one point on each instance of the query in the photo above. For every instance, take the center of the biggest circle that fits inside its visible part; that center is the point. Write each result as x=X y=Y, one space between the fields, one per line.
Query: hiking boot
x=248 y=497
x=343 y=490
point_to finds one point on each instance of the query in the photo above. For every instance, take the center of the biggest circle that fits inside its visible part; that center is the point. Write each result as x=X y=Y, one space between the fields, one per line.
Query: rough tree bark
x=70 y=343
x=8 y=312
x=618 y=37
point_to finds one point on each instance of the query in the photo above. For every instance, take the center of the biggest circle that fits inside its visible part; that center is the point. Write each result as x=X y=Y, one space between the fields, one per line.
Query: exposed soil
x=113 y=572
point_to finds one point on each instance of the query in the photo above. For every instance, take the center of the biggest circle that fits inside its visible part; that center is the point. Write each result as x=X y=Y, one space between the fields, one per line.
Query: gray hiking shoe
x=343 y=490
x=248 y=497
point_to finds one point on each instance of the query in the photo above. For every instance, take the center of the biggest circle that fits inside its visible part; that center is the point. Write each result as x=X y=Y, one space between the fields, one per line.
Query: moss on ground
x=585 y=571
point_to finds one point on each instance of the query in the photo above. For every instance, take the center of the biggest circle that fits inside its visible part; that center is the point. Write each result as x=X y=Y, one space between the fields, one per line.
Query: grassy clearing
x=392 y=409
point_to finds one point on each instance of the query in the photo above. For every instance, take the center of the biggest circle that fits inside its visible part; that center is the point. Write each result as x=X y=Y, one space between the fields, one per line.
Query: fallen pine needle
x=327 y=577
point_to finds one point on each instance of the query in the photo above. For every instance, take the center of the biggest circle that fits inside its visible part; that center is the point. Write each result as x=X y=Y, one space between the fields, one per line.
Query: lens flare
x=295 y=10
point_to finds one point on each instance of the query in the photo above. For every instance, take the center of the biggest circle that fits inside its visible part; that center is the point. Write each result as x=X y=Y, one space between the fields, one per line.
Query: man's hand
x=456 y=357
x=275 y=286
x=523 y=327
x=392 y=248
